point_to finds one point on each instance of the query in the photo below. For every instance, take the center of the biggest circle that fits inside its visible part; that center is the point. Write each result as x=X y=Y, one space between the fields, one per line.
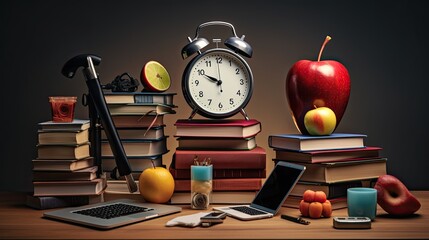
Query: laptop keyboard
x=248 y=210
x=112 y=210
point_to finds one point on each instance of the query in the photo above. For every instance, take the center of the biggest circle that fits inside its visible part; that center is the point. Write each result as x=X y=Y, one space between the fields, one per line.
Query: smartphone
x=352 y=222
x=213 y=217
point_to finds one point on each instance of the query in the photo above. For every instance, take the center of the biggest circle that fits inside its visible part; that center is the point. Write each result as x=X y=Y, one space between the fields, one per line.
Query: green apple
x=320 y=121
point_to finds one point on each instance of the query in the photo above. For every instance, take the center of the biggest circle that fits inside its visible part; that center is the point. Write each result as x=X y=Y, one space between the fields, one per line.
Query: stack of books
x=64 y=173
x=333 y=163
x=139 y=120
x=239 y=165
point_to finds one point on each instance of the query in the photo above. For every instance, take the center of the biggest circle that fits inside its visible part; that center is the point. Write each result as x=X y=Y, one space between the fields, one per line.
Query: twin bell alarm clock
x=217 y=83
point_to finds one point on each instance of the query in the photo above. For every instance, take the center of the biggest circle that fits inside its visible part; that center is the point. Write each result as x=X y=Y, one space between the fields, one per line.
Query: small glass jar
x=201 y=186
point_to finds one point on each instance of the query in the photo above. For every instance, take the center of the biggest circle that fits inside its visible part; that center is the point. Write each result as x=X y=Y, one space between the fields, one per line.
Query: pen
x=295 y=219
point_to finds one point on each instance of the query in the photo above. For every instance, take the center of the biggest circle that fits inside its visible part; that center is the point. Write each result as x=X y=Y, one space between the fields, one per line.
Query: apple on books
x=320 y=121
x=394 y=197
x=311 y=84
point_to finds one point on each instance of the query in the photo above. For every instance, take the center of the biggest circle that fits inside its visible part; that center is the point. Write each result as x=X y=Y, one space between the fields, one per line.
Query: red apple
x=309 y=195
x=394 y=197
x=320 y=121
x=320 y=196
x=317 y=83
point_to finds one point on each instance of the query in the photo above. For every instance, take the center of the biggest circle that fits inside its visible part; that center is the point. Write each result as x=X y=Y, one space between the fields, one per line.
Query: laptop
x=273 y=193
x=111 y=214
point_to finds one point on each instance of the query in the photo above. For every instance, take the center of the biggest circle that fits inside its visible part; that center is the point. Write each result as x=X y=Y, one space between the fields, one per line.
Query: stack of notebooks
x=139 y=120
x=64 y=173
x=239 y=165
x=333 y=163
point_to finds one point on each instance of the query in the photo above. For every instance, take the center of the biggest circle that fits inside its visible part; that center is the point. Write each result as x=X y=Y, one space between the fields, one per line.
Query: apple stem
x=327 y=39
x=153 y=164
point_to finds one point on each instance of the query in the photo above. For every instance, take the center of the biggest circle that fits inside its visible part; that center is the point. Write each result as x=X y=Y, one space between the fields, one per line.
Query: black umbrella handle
x=97 y=97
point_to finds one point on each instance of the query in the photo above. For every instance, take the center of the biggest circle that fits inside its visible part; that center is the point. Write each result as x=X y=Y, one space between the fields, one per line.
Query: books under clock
x=62 y=164
x=218 y=197
x=49 y=202
x=63 y=151
x=134 y=148
x=299 y=142
x=156 y=132
x=349 y=154
x=216 y=143
x=221 y=173
x=139 y=97
x=140 y=108
x=75 y=125
x=84 y=174
x=69 y=188
x=228 y=128
x=63 y=137
x=139 y=120
x=228 y=184
x=221 y=159
x=343 y=171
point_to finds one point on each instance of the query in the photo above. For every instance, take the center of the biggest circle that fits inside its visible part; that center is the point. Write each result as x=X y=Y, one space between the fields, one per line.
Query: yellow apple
x=156 y=185
x=320 y=121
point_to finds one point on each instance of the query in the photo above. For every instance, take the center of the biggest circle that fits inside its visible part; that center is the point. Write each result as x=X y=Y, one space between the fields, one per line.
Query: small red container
x=62 y=108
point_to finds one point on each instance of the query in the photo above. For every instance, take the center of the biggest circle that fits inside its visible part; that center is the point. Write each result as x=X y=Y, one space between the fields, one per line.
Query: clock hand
x=218 y=82
x=211 y=78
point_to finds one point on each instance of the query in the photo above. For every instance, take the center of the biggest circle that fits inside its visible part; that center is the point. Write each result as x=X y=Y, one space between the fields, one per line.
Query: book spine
x=251 y=159
x=243 y=184
x=222 y=173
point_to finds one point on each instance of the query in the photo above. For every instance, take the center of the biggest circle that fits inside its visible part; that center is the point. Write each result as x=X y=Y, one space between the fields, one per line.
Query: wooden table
x=20 y=222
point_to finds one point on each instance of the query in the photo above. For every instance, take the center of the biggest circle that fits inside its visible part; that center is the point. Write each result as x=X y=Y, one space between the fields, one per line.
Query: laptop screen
x=278 y=185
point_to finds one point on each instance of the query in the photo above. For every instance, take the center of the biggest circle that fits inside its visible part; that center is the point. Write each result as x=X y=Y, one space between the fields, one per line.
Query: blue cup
x=362 y=202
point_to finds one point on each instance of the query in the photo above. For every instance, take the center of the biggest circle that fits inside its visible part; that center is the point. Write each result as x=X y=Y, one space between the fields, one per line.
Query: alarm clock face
x=218 y=82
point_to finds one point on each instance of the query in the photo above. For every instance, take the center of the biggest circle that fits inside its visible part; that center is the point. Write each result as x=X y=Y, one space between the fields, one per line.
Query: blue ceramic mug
x=362 y=202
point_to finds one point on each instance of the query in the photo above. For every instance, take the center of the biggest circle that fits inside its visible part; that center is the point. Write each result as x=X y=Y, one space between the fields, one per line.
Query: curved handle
x=215 y=23
x=70 y=67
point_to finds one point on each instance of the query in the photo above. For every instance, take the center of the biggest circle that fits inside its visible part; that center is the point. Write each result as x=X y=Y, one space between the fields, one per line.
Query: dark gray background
x=382 y=43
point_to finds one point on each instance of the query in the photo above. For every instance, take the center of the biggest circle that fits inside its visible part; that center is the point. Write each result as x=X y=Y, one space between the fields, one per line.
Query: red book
x=222 y=173
x=328 y=155
x=251 y=159
x=228 y=128
x=228 y=184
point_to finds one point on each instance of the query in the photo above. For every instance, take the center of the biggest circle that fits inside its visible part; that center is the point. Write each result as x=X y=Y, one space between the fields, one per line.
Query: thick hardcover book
x=228 y=184
x=137 y=163
x=62 y=164
x=64 y=151
x=336 y=203
x=136 y=133
x=139 y=97
x=49 y=202
x=299 y=142
x=69 y=188
x=222 y=173
x=218 y=197
x=349 y=154
x=89 y=173
x=63 y=137
x=140 y=108
x=134 y=148
x=343 y=171
x=333 y=190
x=139 y=120
x=234 y=128
x=239 y=159
x=218 y=143
x=75 y=125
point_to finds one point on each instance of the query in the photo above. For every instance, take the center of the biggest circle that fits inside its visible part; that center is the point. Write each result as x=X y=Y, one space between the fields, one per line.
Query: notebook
x=270 y=198
x=111 y=214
